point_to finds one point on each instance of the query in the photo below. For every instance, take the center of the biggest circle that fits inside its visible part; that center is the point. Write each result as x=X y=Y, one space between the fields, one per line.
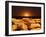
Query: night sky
x=20 y=10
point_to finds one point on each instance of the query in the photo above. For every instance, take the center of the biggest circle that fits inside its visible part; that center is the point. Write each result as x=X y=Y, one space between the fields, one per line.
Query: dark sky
x=18 y=10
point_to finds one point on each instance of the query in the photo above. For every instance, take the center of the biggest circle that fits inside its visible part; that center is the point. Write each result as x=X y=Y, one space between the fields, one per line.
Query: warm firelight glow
x=26 y=14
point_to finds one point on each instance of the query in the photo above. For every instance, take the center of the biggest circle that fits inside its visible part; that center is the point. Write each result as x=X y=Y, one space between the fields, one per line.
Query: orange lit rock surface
x=26 y=24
